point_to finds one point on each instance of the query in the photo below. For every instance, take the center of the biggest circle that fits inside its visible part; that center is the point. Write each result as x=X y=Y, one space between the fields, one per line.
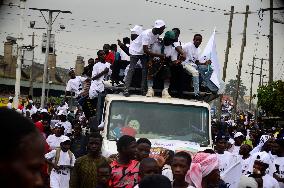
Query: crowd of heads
x=60 y=139
x=264 y=148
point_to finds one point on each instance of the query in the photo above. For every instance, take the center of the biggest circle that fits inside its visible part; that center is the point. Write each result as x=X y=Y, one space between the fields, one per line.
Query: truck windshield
x=159 y=121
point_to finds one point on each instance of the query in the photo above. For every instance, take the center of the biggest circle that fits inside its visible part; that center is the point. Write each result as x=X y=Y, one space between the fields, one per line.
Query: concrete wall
x=51 y=67
x=10 y=61
x=79 y=65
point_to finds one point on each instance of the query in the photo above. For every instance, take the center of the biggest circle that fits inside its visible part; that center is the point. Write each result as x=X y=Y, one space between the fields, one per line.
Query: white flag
x=210 y=53
x=232 y=175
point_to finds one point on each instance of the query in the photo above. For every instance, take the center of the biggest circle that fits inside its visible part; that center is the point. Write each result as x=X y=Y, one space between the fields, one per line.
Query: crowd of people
x=70 y=154
x=57 y=147
x=243 y=149
x=162 y=63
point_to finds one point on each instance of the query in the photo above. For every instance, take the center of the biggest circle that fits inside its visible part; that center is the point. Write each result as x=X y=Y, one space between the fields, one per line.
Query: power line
x=185 y=8
x=201 y=5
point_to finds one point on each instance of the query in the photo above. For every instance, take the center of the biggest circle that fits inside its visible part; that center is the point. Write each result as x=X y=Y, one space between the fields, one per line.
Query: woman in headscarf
x=204 y=171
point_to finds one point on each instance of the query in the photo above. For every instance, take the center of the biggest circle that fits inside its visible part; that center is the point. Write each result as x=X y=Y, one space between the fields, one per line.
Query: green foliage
x=55 y=100
x=231 y=89
x=271 y=98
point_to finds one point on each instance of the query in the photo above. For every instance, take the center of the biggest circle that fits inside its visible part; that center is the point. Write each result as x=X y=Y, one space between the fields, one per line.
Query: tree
x=231 y=89
x=271 y=98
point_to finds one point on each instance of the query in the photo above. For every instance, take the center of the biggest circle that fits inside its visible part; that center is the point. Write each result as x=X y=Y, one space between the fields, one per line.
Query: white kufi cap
x=159 y=23
x=137 y=29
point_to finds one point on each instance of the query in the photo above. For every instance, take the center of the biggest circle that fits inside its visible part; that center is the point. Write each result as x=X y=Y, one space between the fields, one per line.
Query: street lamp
x=32 y=25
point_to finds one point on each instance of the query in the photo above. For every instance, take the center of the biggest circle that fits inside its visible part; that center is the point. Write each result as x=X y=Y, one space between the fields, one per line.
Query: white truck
x=175 y=124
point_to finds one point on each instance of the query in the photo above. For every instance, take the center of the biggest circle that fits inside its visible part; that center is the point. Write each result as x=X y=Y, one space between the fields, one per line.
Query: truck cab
x=175 y=124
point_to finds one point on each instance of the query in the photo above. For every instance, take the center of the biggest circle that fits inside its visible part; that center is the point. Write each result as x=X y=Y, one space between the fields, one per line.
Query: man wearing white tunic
x=62 y=160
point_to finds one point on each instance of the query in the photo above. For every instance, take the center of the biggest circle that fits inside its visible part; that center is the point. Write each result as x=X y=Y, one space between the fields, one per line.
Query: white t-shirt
x=67 y=127
x=245 y=165
x=145 y=38
x=123 y=55
x=75 y=85
x=235 y=149
x=269 y=182
x=279 y=163
x=34 y=109
x=167 y=171
x=169 y=51
x=60 y=178
x=97 y=85
x=254 y=157
x=63 y=107
x=64 y=158
x=177 y=44
x=9 y=105
x=192 y=53
x=226 y=161
x=54 y=141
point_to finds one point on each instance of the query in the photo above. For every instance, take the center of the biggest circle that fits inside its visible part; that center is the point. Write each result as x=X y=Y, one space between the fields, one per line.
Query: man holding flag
x=209 y=67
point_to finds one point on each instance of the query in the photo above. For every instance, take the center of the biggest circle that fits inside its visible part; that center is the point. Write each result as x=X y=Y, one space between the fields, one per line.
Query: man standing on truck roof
x=100 y=69
x=161 y=68
x=139 y=50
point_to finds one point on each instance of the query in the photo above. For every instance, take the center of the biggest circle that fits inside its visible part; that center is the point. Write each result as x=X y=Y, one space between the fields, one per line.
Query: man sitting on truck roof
x=192 y=52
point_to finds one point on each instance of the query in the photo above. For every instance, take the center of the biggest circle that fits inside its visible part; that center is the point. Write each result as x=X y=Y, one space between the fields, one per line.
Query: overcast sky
x=95 y=22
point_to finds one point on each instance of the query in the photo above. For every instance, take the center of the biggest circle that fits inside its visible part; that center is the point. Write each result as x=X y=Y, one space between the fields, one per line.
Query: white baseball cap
x=58 y=125
x=44 y=110
x=159 y=24
x=10 y=98
x=238 y=134
x=19 y=111
x=62 y=112
x=264 y=157
x=64 y=139
x=137 y=29
x=231 y=141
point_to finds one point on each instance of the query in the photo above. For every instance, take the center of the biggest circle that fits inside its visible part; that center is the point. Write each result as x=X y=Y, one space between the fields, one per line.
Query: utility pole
x=229 y=44
x=263 y=79
x=32 y=67
x=49 y=23
x=260 y=74
x=19 y=58
x=271 y=20
x=241 y=58
x=270 y=78
x=44 y=78
x=251 y=81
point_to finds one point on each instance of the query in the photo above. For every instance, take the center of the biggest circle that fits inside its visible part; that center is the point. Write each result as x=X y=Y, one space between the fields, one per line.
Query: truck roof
x=139 y=98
